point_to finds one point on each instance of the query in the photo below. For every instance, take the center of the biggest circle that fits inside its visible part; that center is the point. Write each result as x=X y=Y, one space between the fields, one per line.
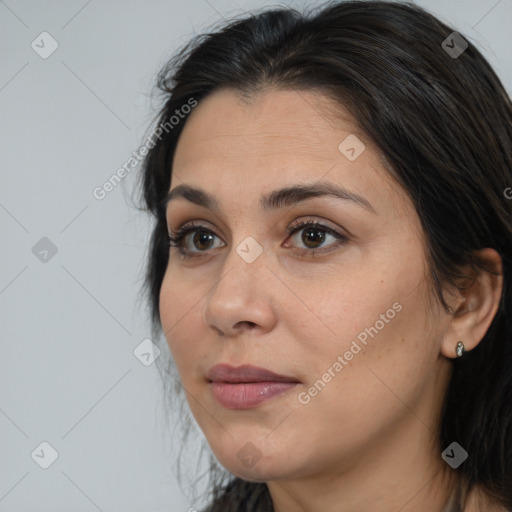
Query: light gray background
x=70 y=325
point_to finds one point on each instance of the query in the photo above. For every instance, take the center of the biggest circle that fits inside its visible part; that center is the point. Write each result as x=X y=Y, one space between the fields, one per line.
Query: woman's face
x=350 y=324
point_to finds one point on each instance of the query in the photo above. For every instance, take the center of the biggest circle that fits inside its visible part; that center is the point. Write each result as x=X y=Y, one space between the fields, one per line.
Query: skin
x=369 y=439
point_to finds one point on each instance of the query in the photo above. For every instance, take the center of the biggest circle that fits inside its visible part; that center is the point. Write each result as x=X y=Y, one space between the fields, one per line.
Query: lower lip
x=248 y=394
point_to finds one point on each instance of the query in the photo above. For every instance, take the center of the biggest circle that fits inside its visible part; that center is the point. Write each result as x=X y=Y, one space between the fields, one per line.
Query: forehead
x=291 y=122
x=276 y=138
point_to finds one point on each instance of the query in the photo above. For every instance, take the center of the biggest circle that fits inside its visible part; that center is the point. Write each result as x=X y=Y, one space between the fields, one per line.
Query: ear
x=474 y=307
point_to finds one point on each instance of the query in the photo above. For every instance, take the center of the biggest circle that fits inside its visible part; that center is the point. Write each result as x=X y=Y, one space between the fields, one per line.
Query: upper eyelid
x=312 y=219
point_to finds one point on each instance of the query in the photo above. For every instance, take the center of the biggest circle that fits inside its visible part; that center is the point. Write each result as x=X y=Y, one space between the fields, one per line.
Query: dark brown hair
x=444 y=124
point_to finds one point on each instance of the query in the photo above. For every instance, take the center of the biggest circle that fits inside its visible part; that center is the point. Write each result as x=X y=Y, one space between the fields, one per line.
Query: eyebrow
x=276 y=199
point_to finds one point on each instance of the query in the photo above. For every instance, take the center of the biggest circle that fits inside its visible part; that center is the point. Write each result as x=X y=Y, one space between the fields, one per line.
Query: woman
x=330 y=262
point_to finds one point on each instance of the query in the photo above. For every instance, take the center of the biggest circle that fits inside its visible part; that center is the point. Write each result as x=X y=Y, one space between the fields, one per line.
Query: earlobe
x=476 y=306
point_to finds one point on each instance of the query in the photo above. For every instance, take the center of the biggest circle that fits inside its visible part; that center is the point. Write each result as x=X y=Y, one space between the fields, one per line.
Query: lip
x=246 y=373
x=246 y=386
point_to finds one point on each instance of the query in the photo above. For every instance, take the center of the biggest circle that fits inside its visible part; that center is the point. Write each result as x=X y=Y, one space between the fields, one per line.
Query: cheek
x=168 y=306
x=181 y=319
x=382 y=352
x=371 y=320
x=359 y=389
x=355 y=306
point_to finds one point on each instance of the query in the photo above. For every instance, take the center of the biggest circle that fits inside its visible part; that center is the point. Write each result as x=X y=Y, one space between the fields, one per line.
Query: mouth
x=245 y=374
x=247 y=386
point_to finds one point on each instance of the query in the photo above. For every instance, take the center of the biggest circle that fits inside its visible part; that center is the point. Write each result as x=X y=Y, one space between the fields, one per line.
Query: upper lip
x=245 y=373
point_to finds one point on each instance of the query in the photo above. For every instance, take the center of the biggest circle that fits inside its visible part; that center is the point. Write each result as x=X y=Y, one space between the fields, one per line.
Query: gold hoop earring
x=459 y=349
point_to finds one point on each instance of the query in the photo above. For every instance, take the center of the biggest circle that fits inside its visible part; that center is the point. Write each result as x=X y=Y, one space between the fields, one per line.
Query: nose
x=238 y=327
x=241 y=298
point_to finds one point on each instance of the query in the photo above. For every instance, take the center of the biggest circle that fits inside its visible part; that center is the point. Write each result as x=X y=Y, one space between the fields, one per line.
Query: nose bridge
x=245 y=264
x=232 y=299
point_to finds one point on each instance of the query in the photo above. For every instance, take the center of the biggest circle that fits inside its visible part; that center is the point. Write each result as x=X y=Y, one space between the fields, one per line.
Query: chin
x=251 y=475
x=250 y=464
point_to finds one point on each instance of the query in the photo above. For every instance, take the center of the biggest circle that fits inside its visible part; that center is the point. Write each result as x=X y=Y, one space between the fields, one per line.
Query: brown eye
x=202 y=239
x=314 y=235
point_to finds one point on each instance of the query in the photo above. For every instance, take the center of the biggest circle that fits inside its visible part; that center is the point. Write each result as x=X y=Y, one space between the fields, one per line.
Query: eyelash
x=176 y=239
